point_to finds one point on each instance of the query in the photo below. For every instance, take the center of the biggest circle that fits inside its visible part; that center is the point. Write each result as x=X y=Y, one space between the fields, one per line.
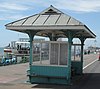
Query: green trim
x=31 y=36
x=49 y=74
x=31 y=50
x=70 y=37
x=82 y=39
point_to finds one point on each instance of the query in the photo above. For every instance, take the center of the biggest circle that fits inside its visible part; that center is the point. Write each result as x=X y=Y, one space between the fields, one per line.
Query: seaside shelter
x=54 y=63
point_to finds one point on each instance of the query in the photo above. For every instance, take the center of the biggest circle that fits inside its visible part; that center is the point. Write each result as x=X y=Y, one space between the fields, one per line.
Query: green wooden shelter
x=54 y=24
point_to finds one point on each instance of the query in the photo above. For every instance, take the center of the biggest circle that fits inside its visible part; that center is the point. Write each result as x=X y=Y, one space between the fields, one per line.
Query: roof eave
x=45 y=27
x=90 y=32
x=52 y=27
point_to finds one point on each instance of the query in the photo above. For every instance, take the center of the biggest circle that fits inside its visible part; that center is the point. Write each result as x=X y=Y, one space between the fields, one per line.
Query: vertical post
x=69 y=55
x=40 y=52
x=59 y=53
x=82 y=43
x=74 y=52
x=49 y=51
x=52 y=37
x=31 y=49
x=81 y=57
x=31 y=35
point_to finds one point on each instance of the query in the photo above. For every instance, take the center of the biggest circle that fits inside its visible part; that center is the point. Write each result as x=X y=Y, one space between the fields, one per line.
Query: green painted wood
x=31 y=50
x=50 y=70
x=81 y=59
x=31 y=35
x=49 y=74
x=69 y=55
x=48 y=80
x=82 y=39
x=76 y=65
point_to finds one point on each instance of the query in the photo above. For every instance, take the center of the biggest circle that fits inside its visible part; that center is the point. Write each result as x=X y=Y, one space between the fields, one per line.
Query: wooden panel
x=49 y=71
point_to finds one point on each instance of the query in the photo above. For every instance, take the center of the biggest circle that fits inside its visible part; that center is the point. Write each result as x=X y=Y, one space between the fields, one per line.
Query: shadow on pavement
x=49 y=86
x=85 y=81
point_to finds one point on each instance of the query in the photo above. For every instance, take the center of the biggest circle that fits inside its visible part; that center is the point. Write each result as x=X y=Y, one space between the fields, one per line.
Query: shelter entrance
x=76 y=62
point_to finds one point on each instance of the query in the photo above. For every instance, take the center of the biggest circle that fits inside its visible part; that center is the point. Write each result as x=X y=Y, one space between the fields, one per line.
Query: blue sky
x=86 y=11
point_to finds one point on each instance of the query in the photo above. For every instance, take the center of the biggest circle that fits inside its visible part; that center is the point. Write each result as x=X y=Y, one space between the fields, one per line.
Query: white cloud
x=79 y=5
x=74 y=5
x=12 y=6
x=12 y=10
x=13 y=17
x=17 y=7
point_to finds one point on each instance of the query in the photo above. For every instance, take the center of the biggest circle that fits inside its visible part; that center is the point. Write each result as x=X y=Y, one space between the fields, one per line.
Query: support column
x=31 y=35
x=31 y=49
x=82 y=49
x=69 y=55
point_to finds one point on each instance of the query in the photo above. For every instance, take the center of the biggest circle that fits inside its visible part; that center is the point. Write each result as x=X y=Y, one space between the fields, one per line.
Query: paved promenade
x=14 y=77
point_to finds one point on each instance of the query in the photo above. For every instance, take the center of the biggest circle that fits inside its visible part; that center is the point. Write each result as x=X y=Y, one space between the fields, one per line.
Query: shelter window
x=50 y=53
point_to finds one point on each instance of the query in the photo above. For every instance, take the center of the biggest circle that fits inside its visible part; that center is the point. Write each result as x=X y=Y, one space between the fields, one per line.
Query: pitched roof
x=49 y=19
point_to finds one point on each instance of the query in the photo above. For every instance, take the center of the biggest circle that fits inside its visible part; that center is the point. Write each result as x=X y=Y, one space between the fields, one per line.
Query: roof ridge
x=51 y=10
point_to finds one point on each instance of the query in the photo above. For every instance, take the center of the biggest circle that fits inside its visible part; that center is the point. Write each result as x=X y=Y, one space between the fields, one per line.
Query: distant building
x=23 y=39
x=13 y=44
x=93 y=49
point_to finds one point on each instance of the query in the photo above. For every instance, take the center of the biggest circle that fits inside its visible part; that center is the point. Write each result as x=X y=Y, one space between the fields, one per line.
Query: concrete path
x=14 y=77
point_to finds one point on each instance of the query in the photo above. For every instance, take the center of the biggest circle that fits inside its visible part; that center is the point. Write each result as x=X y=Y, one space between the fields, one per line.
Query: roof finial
x=51 y=5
